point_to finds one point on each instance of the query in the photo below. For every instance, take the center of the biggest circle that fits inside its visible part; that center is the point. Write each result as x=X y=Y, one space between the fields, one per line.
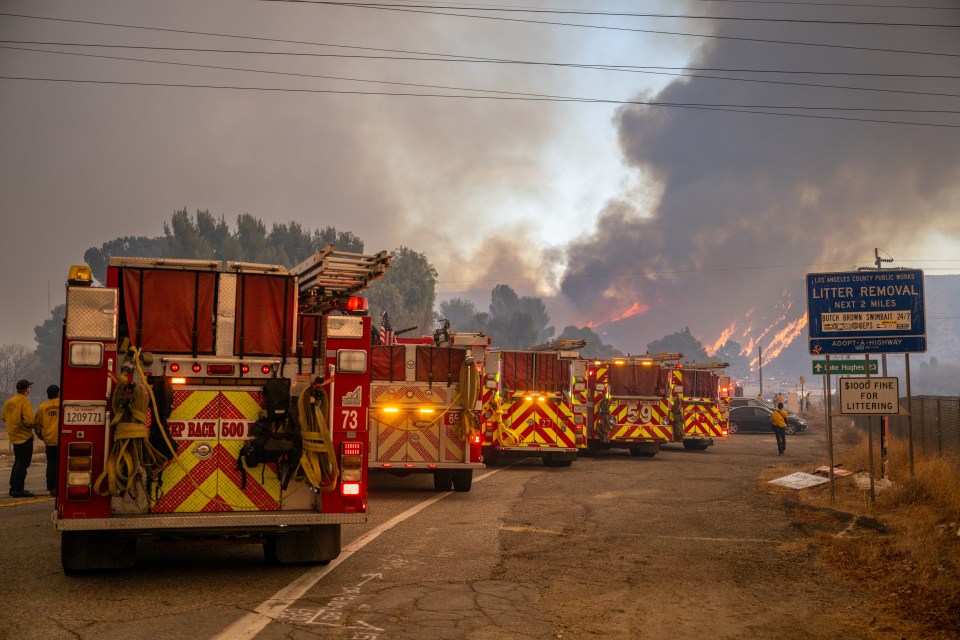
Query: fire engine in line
x=703 y=402
x=199 y=400
x=424 y=407
x=628 y=403
x=528 y=403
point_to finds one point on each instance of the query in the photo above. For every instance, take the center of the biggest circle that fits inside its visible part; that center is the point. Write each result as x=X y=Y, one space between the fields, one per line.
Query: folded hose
x=505 y=436
x=318 y=460
x=468 y=423
x=676 y=419
x=131 y=449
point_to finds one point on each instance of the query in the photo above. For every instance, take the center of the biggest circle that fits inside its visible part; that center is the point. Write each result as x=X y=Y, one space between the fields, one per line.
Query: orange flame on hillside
x=781 y=340
x=632 y=311
x=722 y=340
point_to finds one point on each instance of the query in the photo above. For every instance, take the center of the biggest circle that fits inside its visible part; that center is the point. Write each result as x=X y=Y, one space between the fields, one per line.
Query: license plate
x=74 y=416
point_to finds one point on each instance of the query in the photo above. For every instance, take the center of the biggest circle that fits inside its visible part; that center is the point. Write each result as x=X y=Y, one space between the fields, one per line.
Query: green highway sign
x=844 y=367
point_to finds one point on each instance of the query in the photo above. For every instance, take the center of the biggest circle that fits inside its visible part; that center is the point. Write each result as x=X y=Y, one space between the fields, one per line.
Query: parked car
x=753 y=402
x=753 y=419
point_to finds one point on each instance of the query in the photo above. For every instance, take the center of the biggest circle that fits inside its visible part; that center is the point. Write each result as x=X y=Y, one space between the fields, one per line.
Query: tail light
x=220 y=370
x=79 y=470
x=476 y=448
x=351 y=468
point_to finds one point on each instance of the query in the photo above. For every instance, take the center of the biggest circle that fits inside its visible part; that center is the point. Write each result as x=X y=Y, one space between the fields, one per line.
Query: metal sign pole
x=873 y=495
x=884 y=422
x=906 y=361
x=828 y=392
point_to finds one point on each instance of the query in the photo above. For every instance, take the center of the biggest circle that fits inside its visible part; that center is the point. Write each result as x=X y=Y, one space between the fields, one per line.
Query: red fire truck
x=528 y=403
x=425 y=403
x=702 y=402
x=628 y=403
x=203 y=400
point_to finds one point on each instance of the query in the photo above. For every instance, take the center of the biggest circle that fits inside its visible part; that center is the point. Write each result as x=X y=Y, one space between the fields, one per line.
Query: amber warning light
x=356 y=303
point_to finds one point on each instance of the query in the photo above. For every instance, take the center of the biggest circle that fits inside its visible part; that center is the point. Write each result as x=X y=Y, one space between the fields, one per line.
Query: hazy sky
x=664 y=216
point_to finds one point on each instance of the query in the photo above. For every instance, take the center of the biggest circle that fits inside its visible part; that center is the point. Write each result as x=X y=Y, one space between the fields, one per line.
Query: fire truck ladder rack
x=330 y=275
x=713 y=364
x=655 y=357
x=560 y=344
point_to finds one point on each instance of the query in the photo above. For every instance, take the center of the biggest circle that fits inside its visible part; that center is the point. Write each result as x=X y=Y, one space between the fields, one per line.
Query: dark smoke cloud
x=774 y=197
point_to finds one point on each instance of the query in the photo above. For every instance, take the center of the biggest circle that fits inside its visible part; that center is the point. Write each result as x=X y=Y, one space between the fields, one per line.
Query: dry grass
x=904 y=547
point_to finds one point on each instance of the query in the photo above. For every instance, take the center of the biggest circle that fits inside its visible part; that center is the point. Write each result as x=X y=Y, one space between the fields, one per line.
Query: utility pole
x=760 y=365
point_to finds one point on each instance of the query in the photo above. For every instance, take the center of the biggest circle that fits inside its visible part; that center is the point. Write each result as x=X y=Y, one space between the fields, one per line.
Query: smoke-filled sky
x=638 y=219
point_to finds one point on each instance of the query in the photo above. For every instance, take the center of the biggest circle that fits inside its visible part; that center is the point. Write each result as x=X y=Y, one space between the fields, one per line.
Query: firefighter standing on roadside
x=778 y=422
x=18 y=414
x=48 y=422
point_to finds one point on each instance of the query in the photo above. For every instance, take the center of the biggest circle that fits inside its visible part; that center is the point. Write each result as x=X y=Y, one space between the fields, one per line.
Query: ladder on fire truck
x=329 y=276
x=655 y=357
x=560 y=344
x=712 y=364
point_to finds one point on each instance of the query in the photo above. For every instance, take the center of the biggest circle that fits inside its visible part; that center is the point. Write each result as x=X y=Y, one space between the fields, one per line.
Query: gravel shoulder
x=683 y=545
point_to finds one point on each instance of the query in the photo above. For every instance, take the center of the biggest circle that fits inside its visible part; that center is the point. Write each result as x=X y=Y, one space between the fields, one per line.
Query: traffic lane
x=180 y=589
x=434 y=575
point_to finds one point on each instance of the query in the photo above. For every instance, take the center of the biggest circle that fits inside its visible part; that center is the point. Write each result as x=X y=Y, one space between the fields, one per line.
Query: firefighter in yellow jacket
x=18 y=414
x=48 y=425
x=778 y=422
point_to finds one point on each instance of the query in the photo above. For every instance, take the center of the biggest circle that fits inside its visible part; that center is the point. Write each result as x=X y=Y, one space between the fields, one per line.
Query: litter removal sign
x=866 y=312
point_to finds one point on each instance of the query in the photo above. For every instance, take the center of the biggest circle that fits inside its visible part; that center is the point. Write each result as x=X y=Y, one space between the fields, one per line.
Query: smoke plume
x=750 y=203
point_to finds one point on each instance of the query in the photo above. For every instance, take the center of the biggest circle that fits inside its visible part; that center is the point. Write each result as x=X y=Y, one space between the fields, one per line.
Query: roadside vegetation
x=903 y=548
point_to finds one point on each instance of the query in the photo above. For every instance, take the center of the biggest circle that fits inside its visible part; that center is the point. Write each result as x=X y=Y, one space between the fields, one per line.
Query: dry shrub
x=914 y=569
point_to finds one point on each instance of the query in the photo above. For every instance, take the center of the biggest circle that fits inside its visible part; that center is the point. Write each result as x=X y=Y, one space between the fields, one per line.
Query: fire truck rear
x=203 y=401
x=699 y=403
x=528 y=403
x=425 y=403
x=628 y=403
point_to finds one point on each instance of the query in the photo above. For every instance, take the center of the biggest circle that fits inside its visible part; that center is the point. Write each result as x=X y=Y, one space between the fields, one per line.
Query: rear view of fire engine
x=701 y=404
x=528 y=403
x=628 y=403
x=203 y=401
x=425 y=403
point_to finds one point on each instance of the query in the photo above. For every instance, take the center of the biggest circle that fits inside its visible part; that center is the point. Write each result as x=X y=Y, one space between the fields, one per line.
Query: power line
x=705 y=107
x=839 y=5
x=661 y=272
x=440 y=56
x=228 y=68
x=625 y=29
x=281 y=73
x=615 y=14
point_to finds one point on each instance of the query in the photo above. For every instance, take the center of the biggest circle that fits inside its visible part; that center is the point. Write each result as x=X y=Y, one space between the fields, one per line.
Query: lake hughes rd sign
x=875 y=311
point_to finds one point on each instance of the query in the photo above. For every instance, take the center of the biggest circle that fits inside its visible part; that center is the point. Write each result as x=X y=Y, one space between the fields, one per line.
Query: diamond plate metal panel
x=344 y=327
x=91 y=314
x=226 y=313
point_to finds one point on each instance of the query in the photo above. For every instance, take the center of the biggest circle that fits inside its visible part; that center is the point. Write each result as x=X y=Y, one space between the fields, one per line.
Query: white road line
x=254 y=622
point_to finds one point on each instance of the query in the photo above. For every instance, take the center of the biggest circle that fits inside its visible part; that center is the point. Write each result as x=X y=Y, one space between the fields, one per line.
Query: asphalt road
x=683 y=545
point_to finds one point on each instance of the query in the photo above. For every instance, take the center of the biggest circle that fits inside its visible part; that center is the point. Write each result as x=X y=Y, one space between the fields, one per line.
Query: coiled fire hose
x=468 y=423
x=506 y=436
x=604 y=419
x=131 y=449
x=318 y=460
x=676 y=419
